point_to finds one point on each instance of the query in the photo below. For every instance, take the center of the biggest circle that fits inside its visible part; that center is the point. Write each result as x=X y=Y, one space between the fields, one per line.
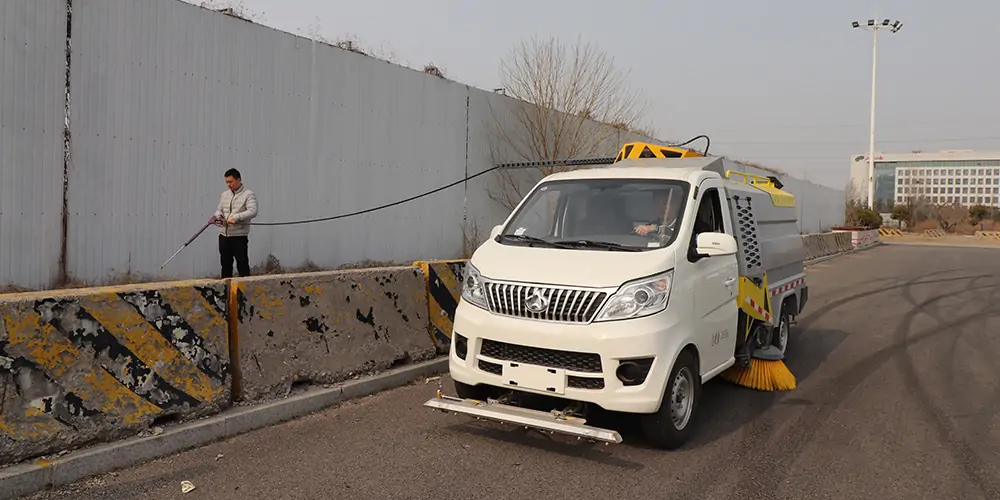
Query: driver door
x=717 y=282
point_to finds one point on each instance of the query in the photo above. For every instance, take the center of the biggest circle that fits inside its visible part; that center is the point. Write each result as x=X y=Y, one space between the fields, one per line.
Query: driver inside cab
x=664 y=214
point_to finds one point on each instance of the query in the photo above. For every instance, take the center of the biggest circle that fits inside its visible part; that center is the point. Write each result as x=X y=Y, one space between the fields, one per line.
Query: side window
x=709 y=216
x=707 y=219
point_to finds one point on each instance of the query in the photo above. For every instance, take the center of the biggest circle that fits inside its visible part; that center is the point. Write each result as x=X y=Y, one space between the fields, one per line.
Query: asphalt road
x=898 y=398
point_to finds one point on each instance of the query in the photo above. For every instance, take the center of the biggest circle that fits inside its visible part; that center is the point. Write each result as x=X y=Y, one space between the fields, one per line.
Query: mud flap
x=507 y=414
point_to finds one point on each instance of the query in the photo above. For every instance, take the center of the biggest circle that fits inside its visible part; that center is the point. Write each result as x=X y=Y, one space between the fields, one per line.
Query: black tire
x=477 y=392
x=659 y=428
x=778 y=339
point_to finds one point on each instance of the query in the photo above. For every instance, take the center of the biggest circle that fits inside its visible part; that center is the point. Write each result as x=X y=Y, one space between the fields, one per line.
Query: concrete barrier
x=886 y=231
x=843 y=242
x=325 y=327
x=861 y=238
x=819 y=245
x=98 y=364
x=866 y=239
x=443 y=280
x=934 y=233
x=995 y=235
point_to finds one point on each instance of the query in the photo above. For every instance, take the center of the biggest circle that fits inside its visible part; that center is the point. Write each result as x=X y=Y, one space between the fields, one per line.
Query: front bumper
x=577 y=362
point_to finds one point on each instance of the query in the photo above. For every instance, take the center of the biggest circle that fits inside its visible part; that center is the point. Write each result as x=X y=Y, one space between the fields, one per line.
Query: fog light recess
x=633 y=371
x=461 y=346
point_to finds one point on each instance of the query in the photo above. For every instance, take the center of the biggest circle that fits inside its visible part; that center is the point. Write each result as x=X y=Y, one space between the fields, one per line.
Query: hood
x=577 y=267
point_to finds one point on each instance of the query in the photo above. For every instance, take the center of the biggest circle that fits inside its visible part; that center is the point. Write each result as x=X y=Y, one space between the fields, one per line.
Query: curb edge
x=27 y=478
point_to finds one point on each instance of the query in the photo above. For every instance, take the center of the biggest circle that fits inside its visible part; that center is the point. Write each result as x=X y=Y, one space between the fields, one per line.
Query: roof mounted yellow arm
x=632 y=150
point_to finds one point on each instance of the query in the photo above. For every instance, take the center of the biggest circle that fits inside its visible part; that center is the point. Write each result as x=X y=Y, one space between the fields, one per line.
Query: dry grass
x=369 y=264
x=234 y=8
x=431 y=69
x=926 y=224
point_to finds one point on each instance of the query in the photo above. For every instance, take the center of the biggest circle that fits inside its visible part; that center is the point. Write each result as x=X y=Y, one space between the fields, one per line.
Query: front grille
x=561 y=304
x=585 y=382
x=567 y=360
x=488 y=367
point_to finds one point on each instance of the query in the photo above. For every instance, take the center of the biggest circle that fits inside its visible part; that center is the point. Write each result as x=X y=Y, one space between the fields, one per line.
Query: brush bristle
x=762 y=375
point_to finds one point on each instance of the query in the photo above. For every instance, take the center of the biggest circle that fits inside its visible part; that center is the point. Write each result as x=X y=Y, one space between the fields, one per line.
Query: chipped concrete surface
x=329 y=326
x=105 y=363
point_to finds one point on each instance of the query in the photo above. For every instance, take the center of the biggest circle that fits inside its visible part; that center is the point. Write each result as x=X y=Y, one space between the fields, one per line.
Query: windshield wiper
x=599 y=244
x=532 y=239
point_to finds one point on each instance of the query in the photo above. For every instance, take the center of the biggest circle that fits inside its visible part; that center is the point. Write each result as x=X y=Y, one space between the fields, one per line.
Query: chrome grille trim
x=565 y=305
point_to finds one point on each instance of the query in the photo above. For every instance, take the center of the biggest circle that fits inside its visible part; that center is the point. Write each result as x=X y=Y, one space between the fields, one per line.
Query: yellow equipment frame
x=779 y=197
x=633 y=150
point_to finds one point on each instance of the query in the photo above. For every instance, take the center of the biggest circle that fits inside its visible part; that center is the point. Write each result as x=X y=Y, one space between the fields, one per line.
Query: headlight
x=639 y=298
x=473 y=290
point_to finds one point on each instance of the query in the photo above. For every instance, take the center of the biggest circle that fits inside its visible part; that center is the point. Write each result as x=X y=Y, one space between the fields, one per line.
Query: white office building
x=965 y=177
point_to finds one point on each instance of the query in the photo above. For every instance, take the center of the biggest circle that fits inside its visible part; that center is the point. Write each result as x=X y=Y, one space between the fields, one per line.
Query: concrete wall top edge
x=319 y=274
x=72 y=292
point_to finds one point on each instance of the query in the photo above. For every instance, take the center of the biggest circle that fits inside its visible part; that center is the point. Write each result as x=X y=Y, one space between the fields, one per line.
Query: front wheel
x=671 y=426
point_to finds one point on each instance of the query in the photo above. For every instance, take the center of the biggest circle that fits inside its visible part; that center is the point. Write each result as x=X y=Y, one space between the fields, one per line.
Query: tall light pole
x=874 y=26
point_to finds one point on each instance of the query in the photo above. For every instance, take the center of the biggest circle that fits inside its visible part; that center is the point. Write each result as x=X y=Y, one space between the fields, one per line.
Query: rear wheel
x=671 y=426
x=782 y=330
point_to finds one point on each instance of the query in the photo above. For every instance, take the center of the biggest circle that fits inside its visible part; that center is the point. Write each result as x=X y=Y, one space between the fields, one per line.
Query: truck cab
x=616 y=287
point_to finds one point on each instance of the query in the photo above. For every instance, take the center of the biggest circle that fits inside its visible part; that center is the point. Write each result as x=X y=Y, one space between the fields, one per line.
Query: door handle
x=730 y=281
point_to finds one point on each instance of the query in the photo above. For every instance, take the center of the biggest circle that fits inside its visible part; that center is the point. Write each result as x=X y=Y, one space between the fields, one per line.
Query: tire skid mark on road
x=934 y=313
x=967 y=458
x=762 y=438
x=792 y=444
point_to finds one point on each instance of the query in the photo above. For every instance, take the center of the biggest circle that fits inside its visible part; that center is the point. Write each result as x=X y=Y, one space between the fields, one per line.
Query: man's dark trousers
x=234 y=247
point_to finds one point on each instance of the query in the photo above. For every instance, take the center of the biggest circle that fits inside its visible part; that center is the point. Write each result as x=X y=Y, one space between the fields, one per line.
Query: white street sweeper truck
x=627 y=287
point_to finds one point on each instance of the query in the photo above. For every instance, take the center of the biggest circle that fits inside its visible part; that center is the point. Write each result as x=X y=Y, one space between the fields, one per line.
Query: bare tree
x=569 y=102
x=950 y=216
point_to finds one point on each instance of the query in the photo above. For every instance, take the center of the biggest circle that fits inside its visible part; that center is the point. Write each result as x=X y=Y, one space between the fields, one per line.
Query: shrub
x=869 y=219
x=978 y=213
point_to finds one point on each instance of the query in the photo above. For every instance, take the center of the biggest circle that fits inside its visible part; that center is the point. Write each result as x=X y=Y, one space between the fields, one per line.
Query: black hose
x=708 y=142
x=442 y=188
x=389 y=205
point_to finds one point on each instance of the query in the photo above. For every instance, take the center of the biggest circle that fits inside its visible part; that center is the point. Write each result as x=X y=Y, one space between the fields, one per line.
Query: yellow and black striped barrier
x=444 y=288
x=885 y=231
x=78 y=364
x=994 y=235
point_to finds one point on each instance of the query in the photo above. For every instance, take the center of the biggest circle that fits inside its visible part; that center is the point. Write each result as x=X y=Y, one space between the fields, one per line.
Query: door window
x=708 y=219
x=709 y=216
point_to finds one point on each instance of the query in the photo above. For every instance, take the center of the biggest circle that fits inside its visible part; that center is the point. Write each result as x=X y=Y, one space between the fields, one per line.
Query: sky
x=784 y=83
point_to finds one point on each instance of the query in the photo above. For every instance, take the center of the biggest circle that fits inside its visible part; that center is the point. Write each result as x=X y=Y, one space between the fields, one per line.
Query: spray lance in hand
x=215 y=219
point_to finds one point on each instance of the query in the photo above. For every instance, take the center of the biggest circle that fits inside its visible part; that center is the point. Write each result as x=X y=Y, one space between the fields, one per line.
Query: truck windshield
x=599 y=214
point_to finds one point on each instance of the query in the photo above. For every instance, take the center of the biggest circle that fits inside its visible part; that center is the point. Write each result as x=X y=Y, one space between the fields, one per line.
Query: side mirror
x=496 y=231
x=715 y=245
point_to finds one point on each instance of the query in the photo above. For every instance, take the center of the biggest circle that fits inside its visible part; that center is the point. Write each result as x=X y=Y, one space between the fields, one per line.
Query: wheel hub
x=681 y=398
x=783 y=334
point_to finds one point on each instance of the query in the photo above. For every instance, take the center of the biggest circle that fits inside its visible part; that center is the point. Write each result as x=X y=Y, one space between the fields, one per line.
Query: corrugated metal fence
x=32 y=117
x=165 y=96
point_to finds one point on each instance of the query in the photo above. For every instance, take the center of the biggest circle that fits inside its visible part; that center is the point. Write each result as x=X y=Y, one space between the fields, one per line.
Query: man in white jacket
x=237 y=206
